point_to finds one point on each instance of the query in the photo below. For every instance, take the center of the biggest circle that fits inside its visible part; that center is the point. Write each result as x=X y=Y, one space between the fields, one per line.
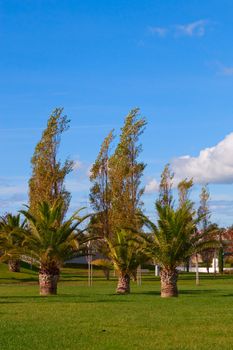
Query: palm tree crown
x=49 y=241
x=174 y=238
x=126 y=251
x=11 y=239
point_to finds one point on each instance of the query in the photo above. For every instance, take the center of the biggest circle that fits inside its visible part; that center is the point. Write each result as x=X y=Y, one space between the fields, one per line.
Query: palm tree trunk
x=123 y=286
x=169 y=283
x=48 y=284
x=14 y=265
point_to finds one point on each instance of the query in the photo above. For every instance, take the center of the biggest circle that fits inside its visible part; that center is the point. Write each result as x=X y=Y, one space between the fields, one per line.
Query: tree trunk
x=169 y=283
x=123 y=286
x=106 y=273
x=187 y=262
x=48 y=284
x=14 y=265
x=220 y=260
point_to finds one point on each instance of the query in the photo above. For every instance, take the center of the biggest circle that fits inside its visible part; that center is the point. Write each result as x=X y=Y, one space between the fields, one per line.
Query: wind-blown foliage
x=165 y=186
x=125 y=173
x=116 y=196
x=100 y=192
x=48 y=174
x=206 y=226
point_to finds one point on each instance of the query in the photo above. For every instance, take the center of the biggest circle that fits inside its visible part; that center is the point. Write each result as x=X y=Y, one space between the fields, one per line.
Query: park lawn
x=94 y=318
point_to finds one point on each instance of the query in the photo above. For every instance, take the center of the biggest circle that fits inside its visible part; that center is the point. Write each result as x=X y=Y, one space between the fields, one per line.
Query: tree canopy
x=48 y=173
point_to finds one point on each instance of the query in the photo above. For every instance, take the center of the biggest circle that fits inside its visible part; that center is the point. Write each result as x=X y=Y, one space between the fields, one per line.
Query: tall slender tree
x=116 y=194
x=125 y=173
x=165 y=186
x=100 y=193
x=184 y=188
x=203 y=209
x=48 y=173
x=205 y=225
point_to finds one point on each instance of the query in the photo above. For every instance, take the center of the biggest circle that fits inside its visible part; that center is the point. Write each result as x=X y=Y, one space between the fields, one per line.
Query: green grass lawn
x=94 y=318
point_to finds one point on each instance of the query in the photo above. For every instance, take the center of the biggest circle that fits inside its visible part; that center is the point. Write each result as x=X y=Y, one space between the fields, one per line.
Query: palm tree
x=173 y=239
x=51 y=241
x=125 y=250
x=10 y=240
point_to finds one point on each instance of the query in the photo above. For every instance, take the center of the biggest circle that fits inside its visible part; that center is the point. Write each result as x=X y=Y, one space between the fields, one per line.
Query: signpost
x=89 y=262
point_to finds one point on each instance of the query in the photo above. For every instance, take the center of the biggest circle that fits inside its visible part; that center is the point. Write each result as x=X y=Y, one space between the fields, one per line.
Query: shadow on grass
x=69 y=298
x=203 y=276
x=182 y=292
x=67 y=278
x=229 y=295
x=78 y=279
x=198 y=291
x=154 y=292
x=27 y=279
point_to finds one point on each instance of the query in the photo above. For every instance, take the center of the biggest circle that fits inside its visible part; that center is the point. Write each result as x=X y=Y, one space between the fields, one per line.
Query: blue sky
x=99 y=59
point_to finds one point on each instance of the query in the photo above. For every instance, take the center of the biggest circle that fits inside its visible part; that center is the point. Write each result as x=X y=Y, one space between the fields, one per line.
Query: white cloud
x=14 y=202
x=222 y=69
x=228 y=71
x=13 y=189
x=77 y=165
x=222 y=212
x=152 y=186
x=89 y=172
x=159 y=31
x=212 y=165
x=13 y=193
x=196 y=28
x=10 y=186
x=77 y=185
